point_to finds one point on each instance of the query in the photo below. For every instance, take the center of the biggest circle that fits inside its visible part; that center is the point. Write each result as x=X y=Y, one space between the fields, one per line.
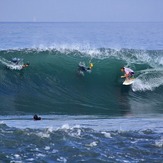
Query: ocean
x=88 y=117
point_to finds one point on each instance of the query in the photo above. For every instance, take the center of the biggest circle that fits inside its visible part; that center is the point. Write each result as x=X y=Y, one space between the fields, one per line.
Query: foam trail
x=148 y=81
x=10 y=65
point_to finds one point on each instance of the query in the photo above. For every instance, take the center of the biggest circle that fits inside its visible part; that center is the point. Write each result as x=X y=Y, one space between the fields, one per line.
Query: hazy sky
x=81 y=10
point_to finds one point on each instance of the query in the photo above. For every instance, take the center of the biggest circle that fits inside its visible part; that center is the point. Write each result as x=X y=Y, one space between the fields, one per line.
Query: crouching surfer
x=128 y=73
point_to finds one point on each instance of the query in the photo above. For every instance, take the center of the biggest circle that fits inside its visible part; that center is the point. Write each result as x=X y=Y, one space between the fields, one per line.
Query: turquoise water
x=52 y=84
x=90 y=118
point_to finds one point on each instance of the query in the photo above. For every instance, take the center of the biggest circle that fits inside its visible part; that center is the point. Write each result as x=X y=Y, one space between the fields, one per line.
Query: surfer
x=82 y=68
x=129 y=73
x=25 y=65
x=36 y=118
x=19 y=63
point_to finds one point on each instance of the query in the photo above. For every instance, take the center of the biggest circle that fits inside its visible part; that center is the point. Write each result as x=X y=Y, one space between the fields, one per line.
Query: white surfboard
x=128 y=81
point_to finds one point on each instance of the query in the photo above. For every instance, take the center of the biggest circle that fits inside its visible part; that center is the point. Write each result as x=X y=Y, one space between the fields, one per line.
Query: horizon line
x=81 y=21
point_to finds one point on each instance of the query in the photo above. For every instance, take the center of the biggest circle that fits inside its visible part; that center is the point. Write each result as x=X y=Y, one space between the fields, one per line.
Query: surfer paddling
x=25 y=65
x=18 y=63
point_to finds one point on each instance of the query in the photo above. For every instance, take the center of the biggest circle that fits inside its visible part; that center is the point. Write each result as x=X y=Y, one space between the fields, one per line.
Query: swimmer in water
x=25 y=65
x=82 y=68
x=36 y=118
x=19 y=62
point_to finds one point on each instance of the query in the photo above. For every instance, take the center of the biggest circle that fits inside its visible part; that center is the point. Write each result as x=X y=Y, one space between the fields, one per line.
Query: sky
x=81 y=10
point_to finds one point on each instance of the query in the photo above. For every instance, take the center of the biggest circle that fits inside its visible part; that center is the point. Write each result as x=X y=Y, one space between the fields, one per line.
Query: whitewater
x=85 y=118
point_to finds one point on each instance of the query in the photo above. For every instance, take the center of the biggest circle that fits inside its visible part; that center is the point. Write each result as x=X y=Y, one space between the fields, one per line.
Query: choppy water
x=90 y=118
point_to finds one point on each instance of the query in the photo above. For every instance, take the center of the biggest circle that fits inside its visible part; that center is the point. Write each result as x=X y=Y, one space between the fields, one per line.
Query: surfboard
x=128 y=81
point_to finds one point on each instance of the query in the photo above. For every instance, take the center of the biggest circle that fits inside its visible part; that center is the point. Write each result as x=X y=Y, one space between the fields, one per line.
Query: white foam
x=148 y=82
x=50 y=129
x=65 y=127
x=43 y=134
x=93 y=144
x=10 y=65
x=47 y=148
x=30 y=159
x=76 y=124
x=41 y=155
x=17 y=156
x=14 y=67
x=75 y=133
x=159 y=143
x=128 y=55
x=2 y=122
x=62 y=159
x=106 y=134
x=75 y=130
x=54 y=151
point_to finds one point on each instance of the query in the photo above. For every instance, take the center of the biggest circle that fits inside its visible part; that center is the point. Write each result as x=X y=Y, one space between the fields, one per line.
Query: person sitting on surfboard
x=82 y=68
x=129 y=73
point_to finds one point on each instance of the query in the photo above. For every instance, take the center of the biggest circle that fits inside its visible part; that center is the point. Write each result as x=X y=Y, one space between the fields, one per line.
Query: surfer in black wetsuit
x=36 y=118
x=82 y=68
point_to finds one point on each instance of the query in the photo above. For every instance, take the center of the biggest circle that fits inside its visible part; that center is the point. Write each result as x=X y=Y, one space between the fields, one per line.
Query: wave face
x=51 y=84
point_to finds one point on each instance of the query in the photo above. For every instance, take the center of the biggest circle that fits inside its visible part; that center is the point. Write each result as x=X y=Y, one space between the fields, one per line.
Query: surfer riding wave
x=129 y=73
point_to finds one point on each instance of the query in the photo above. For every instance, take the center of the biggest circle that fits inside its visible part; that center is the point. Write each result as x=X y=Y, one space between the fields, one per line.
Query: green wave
x=52 y=84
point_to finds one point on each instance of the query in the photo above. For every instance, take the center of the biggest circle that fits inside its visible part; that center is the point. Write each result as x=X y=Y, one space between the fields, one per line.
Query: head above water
x=36 y=118
x=26 y=64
